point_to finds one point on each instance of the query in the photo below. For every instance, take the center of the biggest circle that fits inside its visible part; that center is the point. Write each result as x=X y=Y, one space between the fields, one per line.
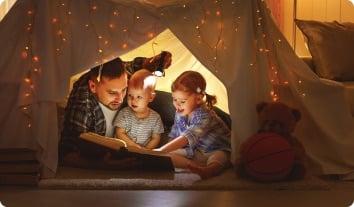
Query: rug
x=80 y=179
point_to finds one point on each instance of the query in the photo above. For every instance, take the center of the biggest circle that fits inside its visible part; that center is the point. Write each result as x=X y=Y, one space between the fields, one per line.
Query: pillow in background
x=331 y=45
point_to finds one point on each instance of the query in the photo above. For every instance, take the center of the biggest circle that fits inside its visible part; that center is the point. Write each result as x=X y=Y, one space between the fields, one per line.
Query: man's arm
x=151 y=63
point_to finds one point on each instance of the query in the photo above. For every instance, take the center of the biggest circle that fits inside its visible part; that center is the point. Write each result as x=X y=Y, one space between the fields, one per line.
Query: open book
x=116 y=144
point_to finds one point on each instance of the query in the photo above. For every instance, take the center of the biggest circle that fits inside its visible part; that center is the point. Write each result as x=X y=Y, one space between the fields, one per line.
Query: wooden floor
x=16 y=196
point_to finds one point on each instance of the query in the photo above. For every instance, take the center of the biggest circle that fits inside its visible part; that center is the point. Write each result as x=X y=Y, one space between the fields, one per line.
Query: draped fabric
x=277 y=8
x=237 y=41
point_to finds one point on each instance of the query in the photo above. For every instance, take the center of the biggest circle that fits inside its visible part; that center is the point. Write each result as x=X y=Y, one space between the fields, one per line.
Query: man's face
x=110 y=92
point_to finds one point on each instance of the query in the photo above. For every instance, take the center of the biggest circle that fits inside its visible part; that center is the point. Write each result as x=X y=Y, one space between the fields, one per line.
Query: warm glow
x=35 y=58
x=351 y=1
x=24 y=55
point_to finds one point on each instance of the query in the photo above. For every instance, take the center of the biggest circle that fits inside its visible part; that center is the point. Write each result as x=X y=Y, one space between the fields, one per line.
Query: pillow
x=331 y=45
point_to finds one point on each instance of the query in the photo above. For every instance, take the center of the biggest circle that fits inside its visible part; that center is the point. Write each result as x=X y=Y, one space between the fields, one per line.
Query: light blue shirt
x=204 y=130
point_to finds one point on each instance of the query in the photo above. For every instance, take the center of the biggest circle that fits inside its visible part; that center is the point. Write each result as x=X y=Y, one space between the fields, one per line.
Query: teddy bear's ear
x=297 y=114
x=260 y=106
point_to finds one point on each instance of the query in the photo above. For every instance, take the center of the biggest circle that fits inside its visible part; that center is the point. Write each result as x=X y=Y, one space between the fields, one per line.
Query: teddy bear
x=280 y=120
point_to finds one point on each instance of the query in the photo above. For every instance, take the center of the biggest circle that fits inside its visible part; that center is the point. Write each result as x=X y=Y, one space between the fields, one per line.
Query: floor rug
x=76 y=178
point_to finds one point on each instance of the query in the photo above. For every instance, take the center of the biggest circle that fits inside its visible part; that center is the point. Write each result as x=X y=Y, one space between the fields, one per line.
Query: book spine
x=17 y=157
x=19 y=179
x=19 y=167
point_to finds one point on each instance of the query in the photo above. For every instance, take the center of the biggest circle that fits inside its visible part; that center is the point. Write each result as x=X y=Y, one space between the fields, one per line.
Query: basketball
x=267 y=157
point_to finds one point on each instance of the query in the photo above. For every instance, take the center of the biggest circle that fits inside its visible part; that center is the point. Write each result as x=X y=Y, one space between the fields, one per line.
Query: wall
x=321 y=10
x=5 y=6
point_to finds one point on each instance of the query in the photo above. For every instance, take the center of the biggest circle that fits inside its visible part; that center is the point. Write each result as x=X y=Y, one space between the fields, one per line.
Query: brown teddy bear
x=279 y=118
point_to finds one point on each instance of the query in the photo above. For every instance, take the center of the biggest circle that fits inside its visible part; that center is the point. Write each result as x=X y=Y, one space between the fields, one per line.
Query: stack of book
x=19 y=166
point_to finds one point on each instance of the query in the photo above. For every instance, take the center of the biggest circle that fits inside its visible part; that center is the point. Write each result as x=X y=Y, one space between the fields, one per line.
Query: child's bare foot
x=203 y=172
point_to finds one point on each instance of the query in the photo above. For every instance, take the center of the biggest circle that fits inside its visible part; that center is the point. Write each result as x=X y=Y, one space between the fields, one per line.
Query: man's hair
x=142 y=79
x=112 y=69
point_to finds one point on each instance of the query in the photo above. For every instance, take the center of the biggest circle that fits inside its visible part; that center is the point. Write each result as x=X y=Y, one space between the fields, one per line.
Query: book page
x=116 y=144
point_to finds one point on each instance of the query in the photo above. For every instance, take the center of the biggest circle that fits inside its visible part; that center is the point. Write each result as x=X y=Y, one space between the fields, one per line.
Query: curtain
x=236 y=40
x=257 y=64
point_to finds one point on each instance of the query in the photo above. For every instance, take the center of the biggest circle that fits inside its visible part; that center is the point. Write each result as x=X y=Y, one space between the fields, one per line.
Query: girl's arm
x=121 y=134
x=154 y=142
x=175 y=144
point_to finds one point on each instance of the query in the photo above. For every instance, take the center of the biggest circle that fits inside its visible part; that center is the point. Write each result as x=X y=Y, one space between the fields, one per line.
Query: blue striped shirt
x=204 y=130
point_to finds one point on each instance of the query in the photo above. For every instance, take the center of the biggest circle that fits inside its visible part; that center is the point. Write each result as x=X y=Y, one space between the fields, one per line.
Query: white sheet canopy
x=45 y=42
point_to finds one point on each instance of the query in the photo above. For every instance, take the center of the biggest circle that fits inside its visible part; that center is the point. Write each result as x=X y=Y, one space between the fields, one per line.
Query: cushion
x=331 y=45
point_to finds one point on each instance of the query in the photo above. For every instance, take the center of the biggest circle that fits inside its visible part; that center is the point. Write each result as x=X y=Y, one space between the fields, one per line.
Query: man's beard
x=114 y=106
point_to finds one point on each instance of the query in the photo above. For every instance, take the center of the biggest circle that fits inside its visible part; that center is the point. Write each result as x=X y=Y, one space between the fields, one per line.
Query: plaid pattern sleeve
x=135 y=65
x=82 y=114
x=140 y=62
x=207 y=132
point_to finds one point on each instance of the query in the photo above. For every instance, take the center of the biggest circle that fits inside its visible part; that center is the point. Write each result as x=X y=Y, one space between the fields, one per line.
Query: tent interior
x=235 y=44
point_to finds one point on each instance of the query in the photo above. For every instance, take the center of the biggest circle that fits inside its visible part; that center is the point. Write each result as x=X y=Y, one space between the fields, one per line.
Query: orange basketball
x=267 y=157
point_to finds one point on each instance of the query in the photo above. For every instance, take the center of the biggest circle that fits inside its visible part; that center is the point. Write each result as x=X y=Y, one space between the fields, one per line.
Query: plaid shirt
x=83 y=114
x=204 y=130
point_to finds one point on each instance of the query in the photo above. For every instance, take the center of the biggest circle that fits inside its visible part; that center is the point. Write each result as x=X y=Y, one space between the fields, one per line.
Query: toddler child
x=137 y=124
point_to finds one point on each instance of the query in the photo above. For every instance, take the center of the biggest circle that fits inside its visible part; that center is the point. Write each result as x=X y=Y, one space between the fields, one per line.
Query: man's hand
x=167 y=59
x=163 y=60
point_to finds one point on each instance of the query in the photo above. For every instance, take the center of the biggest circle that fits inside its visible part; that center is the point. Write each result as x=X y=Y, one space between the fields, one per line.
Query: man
x=93 y=103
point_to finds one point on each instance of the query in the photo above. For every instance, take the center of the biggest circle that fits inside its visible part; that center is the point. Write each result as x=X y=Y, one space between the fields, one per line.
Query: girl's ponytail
x=210 y=101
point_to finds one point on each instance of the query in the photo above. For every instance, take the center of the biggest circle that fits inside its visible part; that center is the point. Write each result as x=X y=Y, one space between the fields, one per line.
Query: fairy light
x=27 y=80
x=24 y=54
x=35 y=58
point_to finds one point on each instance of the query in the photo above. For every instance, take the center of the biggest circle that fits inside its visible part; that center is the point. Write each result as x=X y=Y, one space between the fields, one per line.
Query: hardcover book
x=17 y=154
x=28 y=166
x=144 y=158
x=19 y=179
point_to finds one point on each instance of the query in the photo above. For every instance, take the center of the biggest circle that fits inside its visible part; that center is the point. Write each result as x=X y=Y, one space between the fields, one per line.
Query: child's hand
x=157 y=150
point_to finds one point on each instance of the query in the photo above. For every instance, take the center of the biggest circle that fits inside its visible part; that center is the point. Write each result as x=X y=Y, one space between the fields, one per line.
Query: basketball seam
x=264 y=173
x=269 y=155
x=250 y=148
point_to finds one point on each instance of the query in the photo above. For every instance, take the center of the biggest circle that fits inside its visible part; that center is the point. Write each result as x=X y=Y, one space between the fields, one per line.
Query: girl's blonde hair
x=193 y=82
x=143 y=79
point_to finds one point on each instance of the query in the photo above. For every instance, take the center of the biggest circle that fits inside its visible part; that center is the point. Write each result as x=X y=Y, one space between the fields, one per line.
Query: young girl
x=200 y=139
x=137 y=124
